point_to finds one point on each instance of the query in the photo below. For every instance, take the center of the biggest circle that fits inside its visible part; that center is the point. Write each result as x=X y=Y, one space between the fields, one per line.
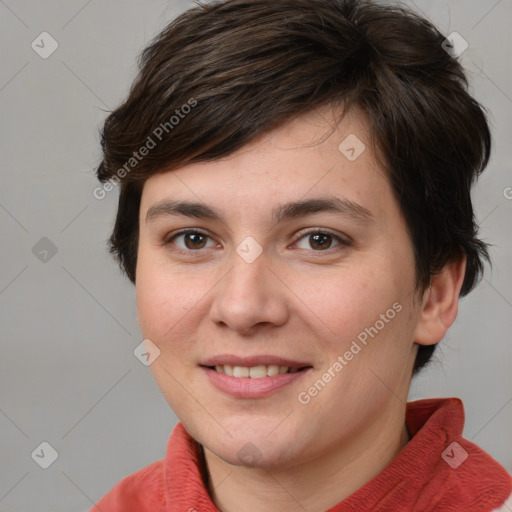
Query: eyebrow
x=280 y=213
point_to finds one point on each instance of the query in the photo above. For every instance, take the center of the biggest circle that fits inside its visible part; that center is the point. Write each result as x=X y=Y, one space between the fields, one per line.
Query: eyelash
x=345 y=243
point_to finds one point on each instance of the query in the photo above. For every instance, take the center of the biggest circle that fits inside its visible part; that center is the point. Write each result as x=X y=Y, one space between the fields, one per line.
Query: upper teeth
x=255 y=372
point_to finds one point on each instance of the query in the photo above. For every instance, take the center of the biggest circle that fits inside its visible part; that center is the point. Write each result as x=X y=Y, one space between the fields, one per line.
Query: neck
x=315 y=485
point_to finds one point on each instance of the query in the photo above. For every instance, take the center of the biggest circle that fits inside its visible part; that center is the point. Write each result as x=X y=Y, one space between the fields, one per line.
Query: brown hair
x=226 y=72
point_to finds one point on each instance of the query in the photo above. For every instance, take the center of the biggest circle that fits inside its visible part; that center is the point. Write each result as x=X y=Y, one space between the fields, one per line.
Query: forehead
x=308 y=157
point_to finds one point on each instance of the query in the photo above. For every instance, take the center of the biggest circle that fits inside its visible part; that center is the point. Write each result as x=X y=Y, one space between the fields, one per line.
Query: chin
x=254 y=450
x=251 y=439
x=250 y=455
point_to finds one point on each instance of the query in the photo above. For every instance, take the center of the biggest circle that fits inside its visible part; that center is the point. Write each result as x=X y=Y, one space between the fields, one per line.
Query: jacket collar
x=429 y=474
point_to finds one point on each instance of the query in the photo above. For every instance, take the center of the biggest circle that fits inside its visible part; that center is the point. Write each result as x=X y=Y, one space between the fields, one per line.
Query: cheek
x=172 y=303
x=352 y=300
x=164 y=299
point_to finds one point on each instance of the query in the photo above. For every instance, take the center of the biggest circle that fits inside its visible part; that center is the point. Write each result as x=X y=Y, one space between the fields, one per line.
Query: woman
x=295 y=213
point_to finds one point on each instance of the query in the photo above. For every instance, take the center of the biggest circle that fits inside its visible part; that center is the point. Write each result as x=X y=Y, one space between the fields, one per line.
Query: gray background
x=68 y=373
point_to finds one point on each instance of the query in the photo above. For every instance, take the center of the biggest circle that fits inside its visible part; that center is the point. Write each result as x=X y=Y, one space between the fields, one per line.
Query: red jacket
x=437 y=471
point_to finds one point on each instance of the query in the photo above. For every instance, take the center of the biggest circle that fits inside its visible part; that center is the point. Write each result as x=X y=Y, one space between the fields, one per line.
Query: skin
x=299 y=300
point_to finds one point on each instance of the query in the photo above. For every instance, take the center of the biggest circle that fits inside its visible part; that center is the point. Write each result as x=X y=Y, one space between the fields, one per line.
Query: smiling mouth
x=256 y=372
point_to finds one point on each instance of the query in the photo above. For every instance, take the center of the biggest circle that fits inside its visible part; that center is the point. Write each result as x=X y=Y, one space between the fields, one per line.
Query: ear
x=440 y=303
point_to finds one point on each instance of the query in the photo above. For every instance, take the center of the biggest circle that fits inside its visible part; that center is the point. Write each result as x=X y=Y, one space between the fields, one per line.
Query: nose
x=251 y=296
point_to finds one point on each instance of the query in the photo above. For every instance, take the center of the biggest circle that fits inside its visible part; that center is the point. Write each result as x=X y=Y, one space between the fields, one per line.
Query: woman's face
x=294 y=256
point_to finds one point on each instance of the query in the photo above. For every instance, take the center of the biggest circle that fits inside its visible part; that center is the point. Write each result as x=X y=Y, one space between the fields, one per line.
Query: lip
x=249 y=361
x=246 y=387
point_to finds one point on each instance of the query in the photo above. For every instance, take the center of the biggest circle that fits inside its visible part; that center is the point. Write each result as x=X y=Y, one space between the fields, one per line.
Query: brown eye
x=194 y=240
x=320 y=241
x=189 y=241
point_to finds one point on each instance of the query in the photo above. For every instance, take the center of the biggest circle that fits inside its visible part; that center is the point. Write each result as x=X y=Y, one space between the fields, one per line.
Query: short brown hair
x=248 y=66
